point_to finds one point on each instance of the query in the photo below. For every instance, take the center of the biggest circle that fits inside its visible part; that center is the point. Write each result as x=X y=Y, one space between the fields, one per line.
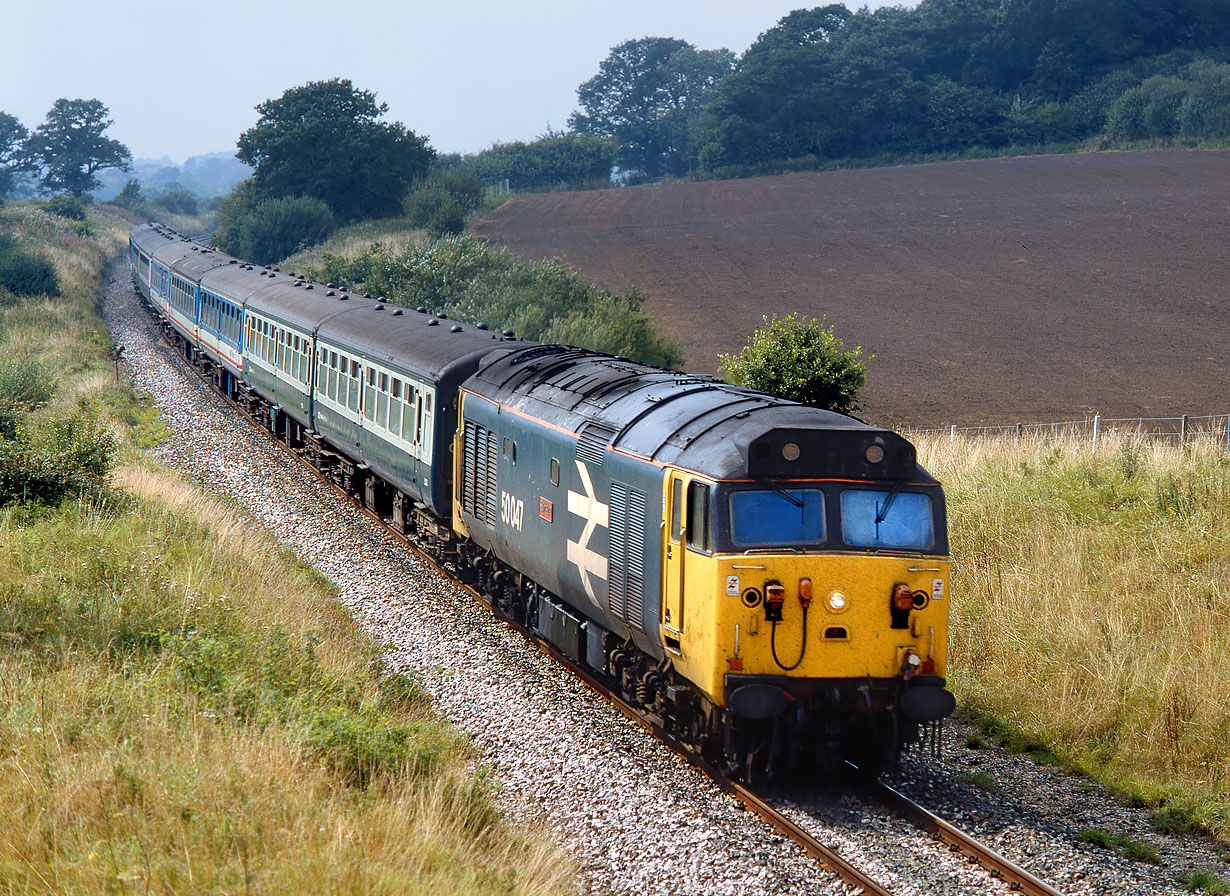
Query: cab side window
x=676 y=509
x=698 y=517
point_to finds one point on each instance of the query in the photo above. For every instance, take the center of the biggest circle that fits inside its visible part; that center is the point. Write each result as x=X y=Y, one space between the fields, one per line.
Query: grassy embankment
x=1091 y=616
x=184 y=707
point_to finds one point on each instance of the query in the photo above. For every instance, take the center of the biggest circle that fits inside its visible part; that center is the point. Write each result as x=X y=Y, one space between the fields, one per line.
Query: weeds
x=981 y=780
x=1203 y=882
x=1125 y=846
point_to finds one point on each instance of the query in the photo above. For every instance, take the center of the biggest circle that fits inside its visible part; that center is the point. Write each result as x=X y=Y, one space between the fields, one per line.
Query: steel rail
x=996 y=865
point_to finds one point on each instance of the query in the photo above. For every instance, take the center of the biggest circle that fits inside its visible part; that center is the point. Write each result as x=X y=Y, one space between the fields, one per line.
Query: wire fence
x=1153 y=430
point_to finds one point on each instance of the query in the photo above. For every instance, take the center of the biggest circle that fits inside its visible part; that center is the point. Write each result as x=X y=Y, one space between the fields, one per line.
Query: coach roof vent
x=509 y=334
x=433 y=323
x=455 y=328
x=397 y=312
x=480 y=325
x=378 y=308
x=421 y=309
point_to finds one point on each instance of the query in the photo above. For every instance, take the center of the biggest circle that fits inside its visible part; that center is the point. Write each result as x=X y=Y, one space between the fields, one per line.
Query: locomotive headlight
x=875 y=454
x=837 y=602
x=790 y=451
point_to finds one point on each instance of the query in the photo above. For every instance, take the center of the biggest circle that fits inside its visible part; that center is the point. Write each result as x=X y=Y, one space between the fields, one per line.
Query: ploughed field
x=994 y=291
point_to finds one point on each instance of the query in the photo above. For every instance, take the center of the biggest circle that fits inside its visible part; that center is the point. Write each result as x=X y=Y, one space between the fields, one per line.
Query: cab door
x=674 y=531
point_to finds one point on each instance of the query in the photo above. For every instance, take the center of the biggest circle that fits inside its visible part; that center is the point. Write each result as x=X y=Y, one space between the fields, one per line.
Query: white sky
x=183 y=78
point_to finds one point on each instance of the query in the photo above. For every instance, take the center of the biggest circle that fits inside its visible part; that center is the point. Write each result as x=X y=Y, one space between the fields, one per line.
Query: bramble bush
x=25 y=386
x=66 y=207
x=51 y=460
x=269 y=230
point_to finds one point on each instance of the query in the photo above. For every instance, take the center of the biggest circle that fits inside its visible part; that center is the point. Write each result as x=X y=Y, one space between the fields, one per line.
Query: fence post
x=1183 y=431
x=1019 y=429
x=952 y=433
x=1097 y=431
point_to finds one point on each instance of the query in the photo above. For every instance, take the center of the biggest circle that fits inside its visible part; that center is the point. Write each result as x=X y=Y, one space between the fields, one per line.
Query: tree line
x=949 y=76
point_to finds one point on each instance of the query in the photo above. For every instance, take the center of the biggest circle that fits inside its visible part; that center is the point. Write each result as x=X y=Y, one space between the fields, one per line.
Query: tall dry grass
x=171 y=684
x=1091 y=606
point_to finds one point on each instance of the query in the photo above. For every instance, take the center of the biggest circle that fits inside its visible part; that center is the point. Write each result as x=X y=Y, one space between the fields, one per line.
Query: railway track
x=997 y=866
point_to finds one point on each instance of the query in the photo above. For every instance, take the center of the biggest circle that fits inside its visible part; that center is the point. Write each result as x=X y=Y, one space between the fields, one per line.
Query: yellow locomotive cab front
x=819 y=604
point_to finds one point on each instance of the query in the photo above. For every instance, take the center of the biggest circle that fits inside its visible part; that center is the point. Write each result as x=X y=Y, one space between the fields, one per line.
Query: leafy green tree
x=14 y=159
x=130 y=196
x=1148 y=111
x=799 y=360
x=177 y=201
x=325 y=140
x=70 y=149
x=1206 y=109
x=646 y=96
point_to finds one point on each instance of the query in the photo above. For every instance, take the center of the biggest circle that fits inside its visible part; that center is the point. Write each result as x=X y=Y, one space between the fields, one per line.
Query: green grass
x=1204 y=882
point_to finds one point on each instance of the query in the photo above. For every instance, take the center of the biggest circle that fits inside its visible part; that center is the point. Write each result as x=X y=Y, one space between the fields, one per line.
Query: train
x=766 y=581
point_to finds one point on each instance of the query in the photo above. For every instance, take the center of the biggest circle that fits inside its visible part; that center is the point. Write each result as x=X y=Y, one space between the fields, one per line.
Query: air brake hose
x=802 y=649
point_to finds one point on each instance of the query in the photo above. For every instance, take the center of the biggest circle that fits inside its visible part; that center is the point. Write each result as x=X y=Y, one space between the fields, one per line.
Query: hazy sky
x=183 y=78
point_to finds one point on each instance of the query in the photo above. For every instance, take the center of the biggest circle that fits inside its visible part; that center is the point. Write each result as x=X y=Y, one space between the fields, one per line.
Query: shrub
x=26 y=274
x=799 y=360
x=270 y=230
x=64 y=456
x=442 y=202
x=66 y=207
x=25 y=386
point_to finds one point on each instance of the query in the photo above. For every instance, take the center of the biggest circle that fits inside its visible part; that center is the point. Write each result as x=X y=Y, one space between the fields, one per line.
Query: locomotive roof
x=699 y=423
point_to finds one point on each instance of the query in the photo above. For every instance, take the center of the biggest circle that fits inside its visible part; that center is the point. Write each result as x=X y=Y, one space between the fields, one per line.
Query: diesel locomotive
x=766 y=581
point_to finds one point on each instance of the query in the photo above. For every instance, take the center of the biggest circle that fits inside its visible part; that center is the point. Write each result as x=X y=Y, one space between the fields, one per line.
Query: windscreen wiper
x=882 y=511
x=797 y=502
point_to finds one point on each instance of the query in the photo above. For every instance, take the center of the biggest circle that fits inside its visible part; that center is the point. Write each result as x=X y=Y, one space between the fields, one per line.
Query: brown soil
x=1009 y=290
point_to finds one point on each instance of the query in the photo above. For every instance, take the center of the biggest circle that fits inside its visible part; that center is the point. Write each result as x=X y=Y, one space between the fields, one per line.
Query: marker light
x=903 y=598
x=790 y=451
x=837 y=602
x=875 y=454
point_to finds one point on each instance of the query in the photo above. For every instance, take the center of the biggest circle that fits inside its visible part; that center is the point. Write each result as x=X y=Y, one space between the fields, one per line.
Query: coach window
x=382 y=406
x=395 y=408
x=356 y=378
x=698 y=517
x=332 y=385
x=554 y=471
